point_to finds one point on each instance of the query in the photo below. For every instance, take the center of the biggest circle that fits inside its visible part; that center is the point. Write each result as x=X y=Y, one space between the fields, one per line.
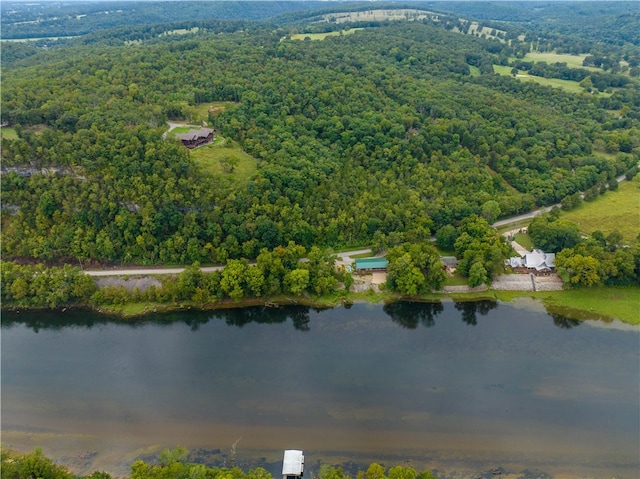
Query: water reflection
x=410 y=315
x=240 y=317
x=563 y=322
x=470 y=309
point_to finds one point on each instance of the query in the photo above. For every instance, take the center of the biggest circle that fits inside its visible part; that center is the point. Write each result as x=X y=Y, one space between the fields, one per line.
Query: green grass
x=615 y=210
x=566 y=85
x=572 y=61
x=202 y=110
x=180 y=31
x=513 y=226
x=475 y=71
x=456 y=280
x=604 y=154
x=207 y=158
x=183 y=129
x=322 y=36
x=605 y=303
x=9 y=133
x=524 y=240
x=362 y=255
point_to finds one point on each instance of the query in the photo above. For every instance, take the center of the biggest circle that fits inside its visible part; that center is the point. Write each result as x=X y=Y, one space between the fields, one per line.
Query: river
x=460 y=388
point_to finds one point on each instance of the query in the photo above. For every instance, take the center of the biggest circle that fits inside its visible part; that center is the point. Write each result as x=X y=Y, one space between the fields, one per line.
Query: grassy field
x=567 y=85
x=183 y=129
x=475 y=71
x=456 y=280
x=202 y=110
x=180 y=31
x=605 y=303
x=573 y=61
x=524 y=240
x=322 y=36
x=207 y=158
x=8 y=133
x=618 y=209
x=379 y=15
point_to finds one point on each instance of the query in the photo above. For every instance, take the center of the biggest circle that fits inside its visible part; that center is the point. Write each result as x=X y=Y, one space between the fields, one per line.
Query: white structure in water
x=293 y=464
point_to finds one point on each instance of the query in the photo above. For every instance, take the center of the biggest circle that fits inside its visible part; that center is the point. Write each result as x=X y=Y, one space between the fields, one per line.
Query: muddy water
x=459 y=388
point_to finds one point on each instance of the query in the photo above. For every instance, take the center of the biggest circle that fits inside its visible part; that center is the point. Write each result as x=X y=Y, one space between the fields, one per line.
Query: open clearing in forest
x=567 y=85
x=615 y=210
x=379 y=15
x=572 y=61
x=8 y=133
x=183 y=129
x=203 y=109
x=207 y=158
x=322 y=36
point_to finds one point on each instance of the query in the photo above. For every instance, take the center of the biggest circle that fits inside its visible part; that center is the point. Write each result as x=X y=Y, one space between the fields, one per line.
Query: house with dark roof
x=195 y=138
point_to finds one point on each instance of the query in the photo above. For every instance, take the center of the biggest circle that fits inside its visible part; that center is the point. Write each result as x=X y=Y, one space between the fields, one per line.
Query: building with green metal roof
x=371 y=264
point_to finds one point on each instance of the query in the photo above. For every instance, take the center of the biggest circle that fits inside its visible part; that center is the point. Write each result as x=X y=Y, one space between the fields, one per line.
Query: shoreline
x=578 y=304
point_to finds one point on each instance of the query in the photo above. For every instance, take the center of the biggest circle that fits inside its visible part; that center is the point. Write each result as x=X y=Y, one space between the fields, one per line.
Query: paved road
x=145 y=271
x=343 y=258
x=535 y=213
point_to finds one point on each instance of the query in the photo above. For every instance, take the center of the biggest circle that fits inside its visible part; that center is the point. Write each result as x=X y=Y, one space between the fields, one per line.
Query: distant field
x=180 y=31
x=476 y=30
x=567 y=85
x=573 y=61
x=379 y=14
x=9 y=133
x=614 y=210
x=322 y=36
x=475 y=71
x=207 y=158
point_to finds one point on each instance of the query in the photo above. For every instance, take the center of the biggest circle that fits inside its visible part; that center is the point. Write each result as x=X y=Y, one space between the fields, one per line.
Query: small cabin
x=293 y=464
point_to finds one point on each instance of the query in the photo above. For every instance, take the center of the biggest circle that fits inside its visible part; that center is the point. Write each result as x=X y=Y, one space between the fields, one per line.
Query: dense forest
x=385 y=135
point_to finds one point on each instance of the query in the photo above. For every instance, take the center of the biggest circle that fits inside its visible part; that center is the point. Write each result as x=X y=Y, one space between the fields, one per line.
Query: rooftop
x=371 y=263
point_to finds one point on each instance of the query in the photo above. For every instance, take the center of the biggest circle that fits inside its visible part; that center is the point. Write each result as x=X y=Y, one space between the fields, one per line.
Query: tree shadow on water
x=470 y=310
x=299 y=315
x=410 y=315
x=564 y=322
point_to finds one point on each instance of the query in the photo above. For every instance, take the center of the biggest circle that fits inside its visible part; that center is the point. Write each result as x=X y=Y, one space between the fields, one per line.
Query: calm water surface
x=457 y=387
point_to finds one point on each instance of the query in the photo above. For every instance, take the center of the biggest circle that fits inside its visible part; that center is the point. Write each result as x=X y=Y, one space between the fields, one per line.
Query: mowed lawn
x=207 y=159
x=615 y=210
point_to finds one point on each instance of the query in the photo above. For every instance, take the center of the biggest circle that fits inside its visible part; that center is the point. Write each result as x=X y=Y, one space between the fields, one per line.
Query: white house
x=537 y=260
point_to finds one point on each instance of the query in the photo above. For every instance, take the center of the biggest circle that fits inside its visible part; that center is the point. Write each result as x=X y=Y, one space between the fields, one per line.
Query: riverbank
x=604 y=303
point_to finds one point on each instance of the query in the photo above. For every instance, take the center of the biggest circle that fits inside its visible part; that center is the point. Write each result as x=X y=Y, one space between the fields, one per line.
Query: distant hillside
x=56 y=19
